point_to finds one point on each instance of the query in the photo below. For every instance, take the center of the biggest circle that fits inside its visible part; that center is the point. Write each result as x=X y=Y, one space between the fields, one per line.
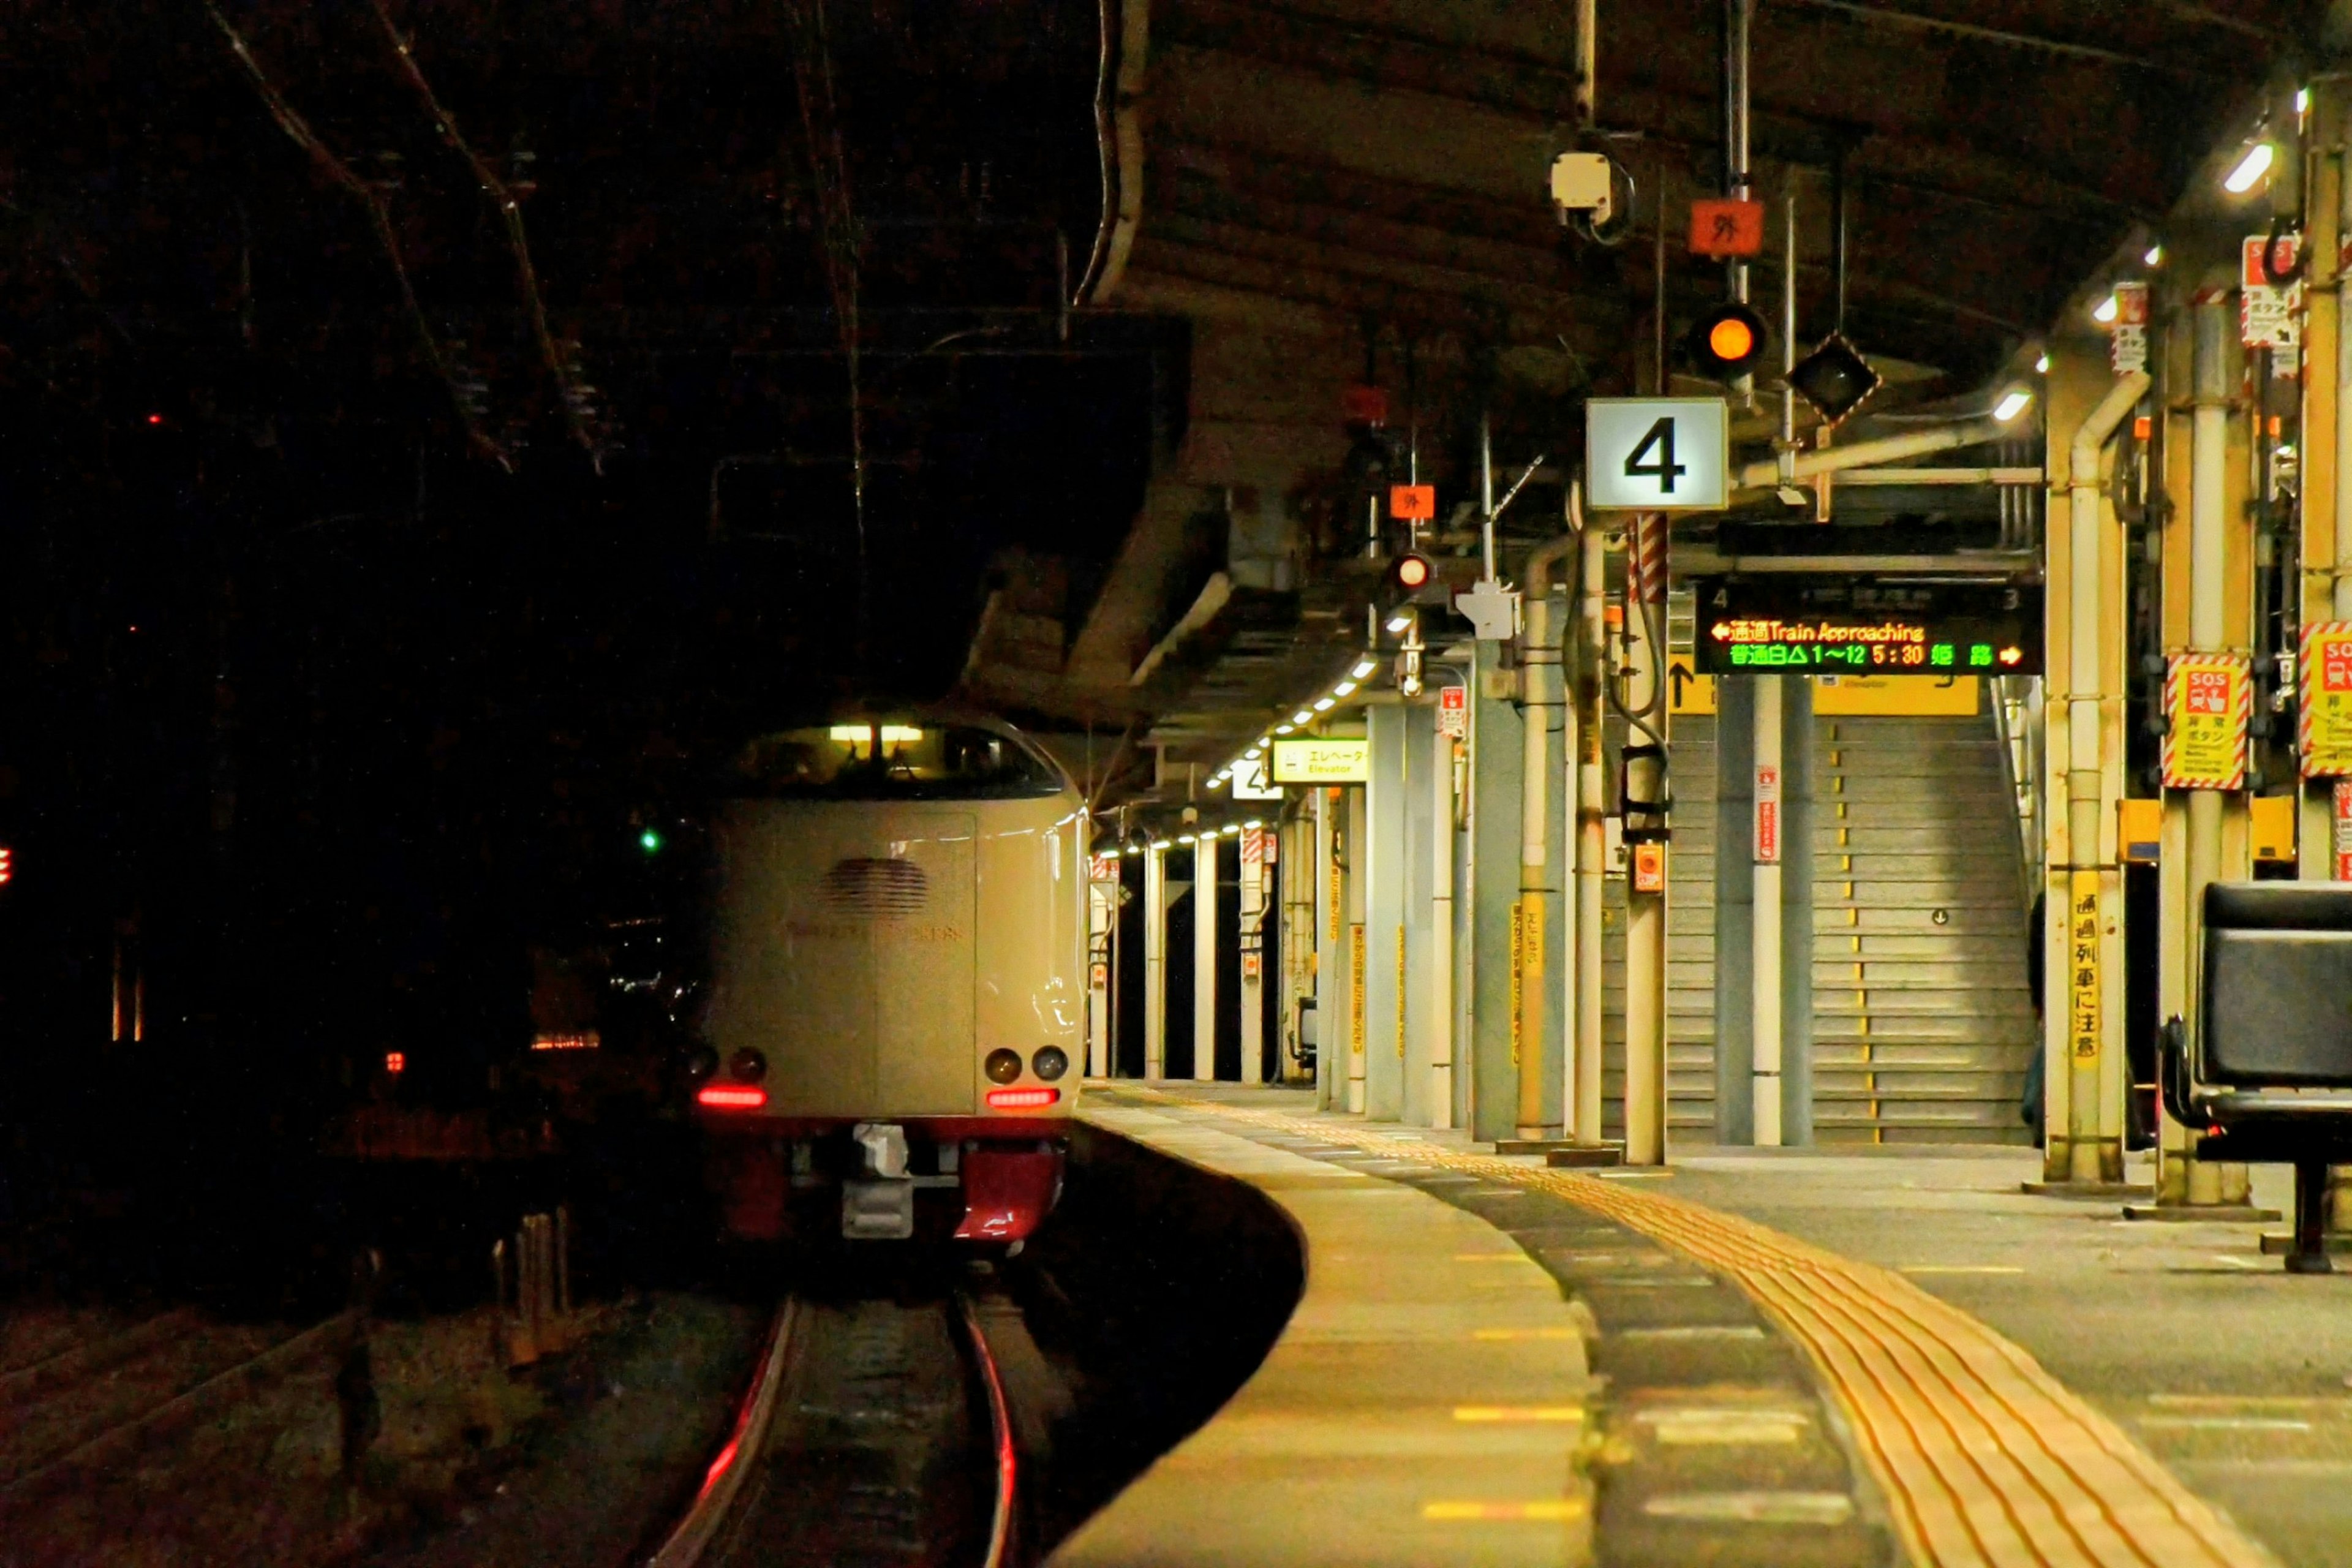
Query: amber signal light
x=1727 y=341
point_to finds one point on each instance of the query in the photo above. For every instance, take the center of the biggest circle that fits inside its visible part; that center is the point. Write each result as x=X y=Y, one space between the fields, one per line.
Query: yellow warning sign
x=2208 y=698
x=1687 y=691
x=2324 y=716
x=2083 y=966
x=1518 y=948
x=1911 y=695
x=1356 y=990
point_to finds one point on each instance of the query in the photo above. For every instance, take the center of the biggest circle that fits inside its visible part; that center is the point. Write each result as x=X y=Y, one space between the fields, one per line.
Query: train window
x=893 y=761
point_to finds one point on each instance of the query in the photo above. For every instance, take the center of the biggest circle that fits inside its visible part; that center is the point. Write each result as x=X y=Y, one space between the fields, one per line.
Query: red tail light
x=1021 y=1098
x=731 y=1097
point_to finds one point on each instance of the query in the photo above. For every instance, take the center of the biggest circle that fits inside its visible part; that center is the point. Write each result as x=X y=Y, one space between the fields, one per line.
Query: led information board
x=1876 y=626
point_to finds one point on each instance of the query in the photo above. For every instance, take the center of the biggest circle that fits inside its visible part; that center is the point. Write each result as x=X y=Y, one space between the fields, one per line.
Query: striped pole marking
x=1986 y=1461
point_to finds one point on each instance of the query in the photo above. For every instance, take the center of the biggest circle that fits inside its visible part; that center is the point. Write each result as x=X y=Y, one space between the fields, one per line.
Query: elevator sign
x=1338 y=759
x=1657 y=454
x=2324 y=667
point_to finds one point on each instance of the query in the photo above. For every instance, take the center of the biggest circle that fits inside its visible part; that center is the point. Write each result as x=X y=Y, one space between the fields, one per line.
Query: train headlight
x=1002 y=1066
x=747 y=1065
x=1050 y=1063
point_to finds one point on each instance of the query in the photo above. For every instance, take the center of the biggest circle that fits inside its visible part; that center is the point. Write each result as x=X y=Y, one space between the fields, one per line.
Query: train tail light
x=1021 y=1098
x=731 y=1096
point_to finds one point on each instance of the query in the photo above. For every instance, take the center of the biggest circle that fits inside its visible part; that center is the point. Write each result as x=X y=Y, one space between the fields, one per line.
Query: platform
x=1778 y=1357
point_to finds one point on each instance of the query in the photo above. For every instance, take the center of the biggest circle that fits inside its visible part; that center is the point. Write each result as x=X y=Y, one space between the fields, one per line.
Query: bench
x=2268 y=1078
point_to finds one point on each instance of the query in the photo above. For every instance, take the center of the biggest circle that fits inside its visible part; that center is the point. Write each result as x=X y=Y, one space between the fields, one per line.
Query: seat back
x=2276 y=1002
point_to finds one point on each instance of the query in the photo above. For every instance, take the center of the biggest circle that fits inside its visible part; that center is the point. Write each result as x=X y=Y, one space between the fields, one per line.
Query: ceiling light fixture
x=2105 y=312
x=1325 y=704
x=1364 y=667
x=2013 y=403
x=1398 y=623
x=1302 y=717
x=1345 y=689
x=2155 y=256
x=2251 y=169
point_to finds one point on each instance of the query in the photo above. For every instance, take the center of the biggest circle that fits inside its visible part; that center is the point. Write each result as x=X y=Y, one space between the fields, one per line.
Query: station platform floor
x=1780 y=1357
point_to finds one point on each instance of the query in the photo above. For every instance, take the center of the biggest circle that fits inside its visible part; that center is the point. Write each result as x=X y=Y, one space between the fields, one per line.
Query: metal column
x=1592 y=851
x=1353 y=963
x=1205 y=959
x=1386 y=861
x=1155 y=962
x=1494 y=760
x=1645 y=912
x=1438 y=1007
x=1257 y=844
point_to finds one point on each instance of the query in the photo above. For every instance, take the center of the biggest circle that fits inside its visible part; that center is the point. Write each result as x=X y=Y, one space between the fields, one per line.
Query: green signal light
x=649 y=841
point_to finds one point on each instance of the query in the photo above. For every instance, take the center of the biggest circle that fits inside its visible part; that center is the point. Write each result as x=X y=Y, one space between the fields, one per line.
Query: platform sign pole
x=1768 y=955
x=1204 y=958
x=1645 y=908
x=1155 y=962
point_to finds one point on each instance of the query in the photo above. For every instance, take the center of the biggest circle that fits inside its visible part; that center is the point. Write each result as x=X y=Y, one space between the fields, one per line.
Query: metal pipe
x=1645 y=916
x=1588 y=63
x=1737 y=16
x=1886 y=450
x=1788 y=347
x=1441 y=930
x=2342 y=562
x=1204 y=958
x=1539 y=693
x=1155 y=962
x=1487 y=492
x=2215 y=368
x=1591 y=808
x=2083 y=682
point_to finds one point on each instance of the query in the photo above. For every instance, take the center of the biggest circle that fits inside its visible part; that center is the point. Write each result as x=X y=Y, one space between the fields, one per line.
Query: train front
x=893 y=1023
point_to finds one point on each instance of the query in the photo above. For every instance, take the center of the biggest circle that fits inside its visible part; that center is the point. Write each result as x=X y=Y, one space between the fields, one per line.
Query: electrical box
x=2272 y=819
x=2139 y=830
x=1580 y=183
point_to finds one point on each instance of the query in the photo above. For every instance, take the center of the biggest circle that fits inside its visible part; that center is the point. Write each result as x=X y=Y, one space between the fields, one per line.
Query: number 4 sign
x=1657 y=454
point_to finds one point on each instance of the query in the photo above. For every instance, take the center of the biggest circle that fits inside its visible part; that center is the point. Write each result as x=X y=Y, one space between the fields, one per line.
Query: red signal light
x=395 y=1062
x=731 y=1097
x=155 y=419
x=1021 y=1098
x=7 y=865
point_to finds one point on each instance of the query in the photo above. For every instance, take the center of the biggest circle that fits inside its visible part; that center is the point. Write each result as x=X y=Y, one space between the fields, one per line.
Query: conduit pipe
x=1539 y=696
x=1592 y=850
x=2083 y=653
x=2214 y=373
x=1887 y=448
x=2342 y=563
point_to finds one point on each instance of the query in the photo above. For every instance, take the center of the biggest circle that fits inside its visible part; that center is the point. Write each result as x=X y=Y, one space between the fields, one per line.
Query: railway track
x=875 y=1433
x=90 y=1402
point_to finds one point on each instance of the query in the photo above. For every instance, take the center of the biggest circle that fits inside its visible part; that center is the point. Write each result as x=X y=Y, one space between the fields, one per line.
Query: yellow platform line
x=1986 y=1459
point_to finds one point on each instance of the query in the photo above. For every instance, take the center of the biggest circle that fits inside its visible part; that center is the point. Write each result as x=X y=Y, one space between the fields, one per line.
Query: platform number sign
x=1657 y=454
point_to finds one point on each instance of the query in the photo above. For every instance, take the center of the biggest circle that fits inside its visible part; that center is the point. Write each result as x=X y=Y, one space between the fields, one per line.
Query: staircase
x=1922 y=1023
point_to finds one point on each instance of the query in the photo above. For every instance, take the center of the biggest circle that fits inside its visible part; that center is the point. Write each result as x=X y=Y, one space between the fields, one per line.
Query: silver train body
x=896 y=992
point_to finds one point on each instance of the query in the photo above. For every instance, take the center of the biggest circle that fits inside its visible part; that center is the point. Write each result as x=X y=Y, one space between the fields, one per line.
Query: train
x=887 y=1029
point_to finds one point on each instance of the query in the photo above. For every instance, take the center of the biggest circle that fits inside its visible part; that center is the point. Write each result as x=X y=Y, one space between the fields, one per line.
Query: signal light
x=395 y=1062
x=1021 y=1098
x=1727 y=342
x=7 y=865
x=649 y=841
x=731 y=1097
x=1835 y=378
x=1410 y=572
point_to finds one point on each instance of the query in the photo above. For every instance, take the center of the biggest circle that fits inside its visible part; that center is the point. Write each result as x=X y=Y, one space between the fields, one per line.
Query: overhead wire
x=510 y=212
x=297 y=129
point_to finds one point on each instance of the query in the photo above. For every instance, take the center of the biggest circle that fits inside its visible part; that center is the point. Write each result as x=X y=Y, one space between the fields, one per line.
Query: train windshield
x=873 y=761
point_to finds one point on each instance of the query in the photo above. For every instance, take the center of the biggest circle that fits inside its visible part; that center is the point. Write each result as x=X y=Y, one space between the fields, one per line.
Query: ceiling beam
x=1887 y=17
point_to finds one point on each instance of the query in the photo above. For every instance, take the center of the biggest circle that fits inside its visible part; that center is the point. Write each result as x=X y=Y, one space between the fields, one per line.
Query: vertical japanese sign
x=1400 y=994
x=2268 y=313
x=2342 y=837
x=2127 y=341
x=1519 y=982
x=2324 y=724
x=1356 y=990
x=2083 y=966
x=1768 y=816
x=2206 y=700
x=1454 y=711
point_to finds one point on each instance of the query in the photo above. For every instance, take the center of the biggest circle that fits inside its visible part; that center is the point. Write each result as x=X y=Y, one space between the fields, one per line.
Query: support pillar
x=1438 y=1007
x=2208 y=608
x=1155 y=963
x=1646 y=795
x=1767 y=958
x=1354 y=965
x=1331 y=991
x=1592 y=848
x=1205 y=959
x=1387 y=863
x=1494 y=760
x=1414 y=951
x=1257 y=845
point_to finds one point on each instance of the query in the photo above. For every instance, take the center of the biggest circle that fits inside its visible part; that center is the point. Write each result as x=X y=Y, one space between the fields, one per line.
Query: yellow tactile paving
x=1985 y=1459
